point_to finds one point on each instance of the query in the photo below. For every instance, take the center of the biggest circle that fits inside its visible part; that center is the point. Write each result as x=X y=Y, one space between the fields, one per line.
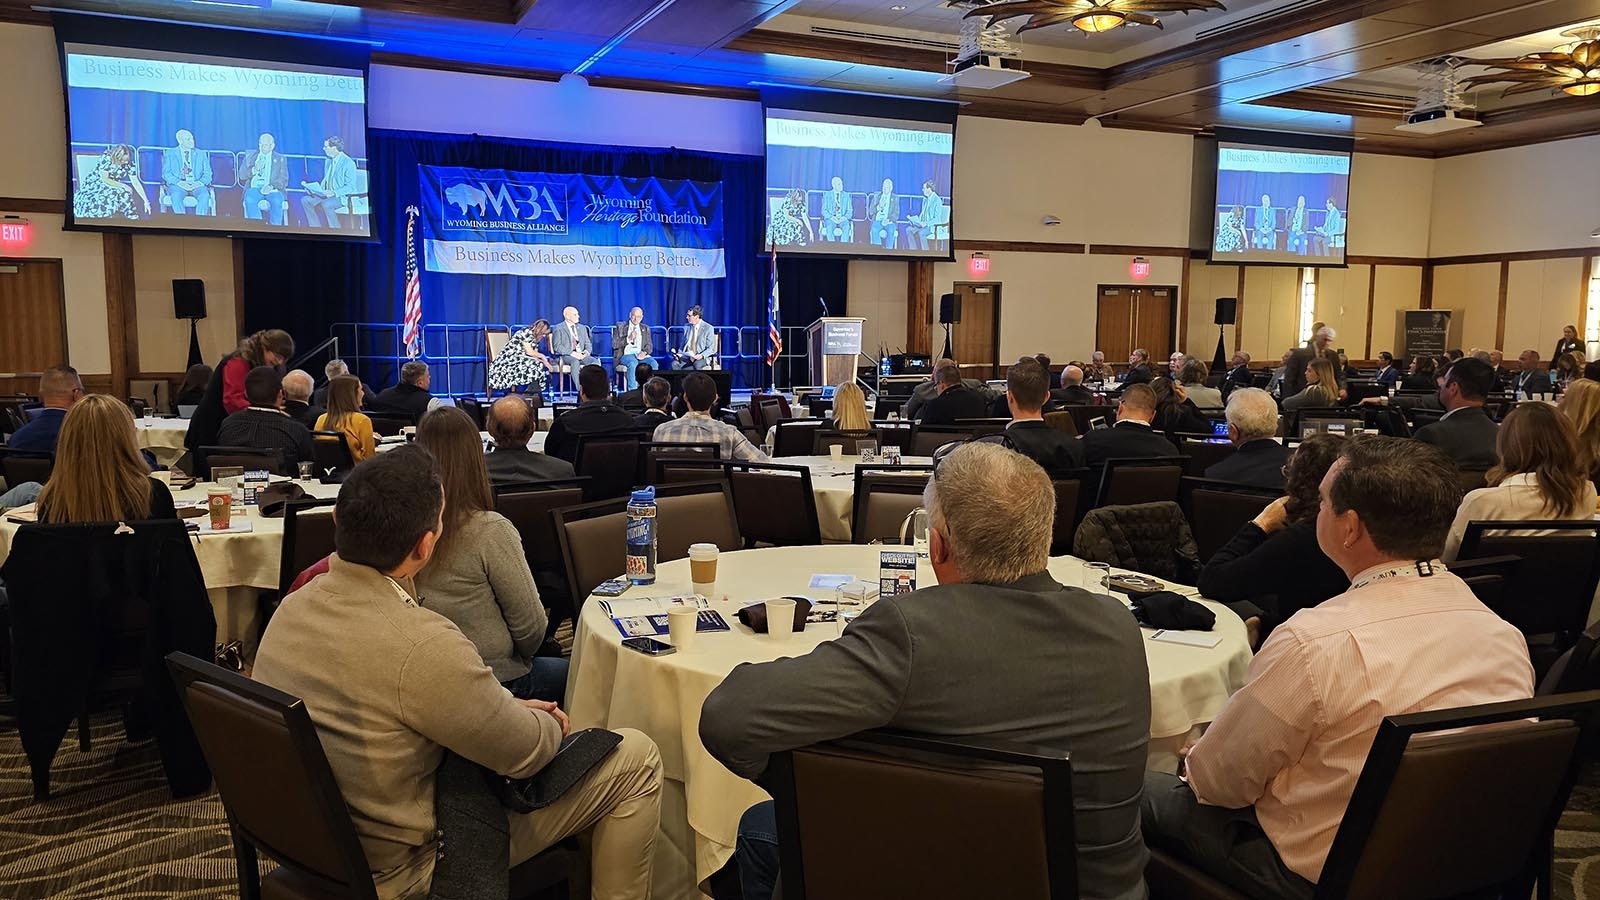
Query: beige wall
x=163 y=340
x=32 y=114
x=1390 y=200
x=1540 y=197
x=1545 y=295
x=83 y=275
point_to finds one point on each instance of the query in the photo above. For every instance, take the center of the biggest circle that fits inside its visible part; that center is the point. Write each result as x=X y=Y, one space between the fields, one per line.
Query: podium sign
x=832 y=345
x=1426 y=331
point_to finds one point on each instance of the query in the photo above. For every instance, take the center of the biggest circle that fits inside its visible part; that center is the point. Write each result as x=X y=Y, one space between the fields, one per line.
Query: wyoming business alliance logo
x=526 y=206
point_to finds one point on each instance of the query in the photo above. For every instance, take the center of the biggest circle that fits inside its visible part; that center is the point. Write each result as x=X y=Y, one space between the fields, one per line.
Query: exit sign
x=15 y=234
x=978 y=264
x=1139 y=268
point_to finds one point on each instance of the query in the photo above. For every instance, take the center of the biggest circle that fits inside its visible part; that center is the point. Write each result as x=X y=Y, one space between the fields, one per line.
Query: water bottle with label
x=641 y=567
x=885 y=366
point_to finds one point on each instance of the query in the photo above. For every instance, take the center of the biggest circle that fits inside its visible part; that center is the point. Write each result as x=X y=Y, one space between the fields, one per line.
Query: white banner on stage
x=572 y=260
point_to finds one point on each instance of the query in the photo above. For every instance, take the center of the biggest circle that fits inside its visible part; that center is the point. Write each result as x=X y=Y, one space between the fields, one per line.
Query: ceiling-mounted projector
x=1439 y=121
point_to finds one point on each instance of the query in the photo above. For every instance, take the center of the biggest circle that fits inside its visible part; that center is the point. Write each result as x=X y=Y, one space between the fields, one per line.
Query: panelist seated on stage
x=264 y=425
x=511 y=424
x=572 y=341
x=265 y=175
x=955 y=400
x=186 y=172
x=699 y=345
x=631 y=352
x=941 y=661
x=410 y=398
x=595 y=414
x=697 y=426
x=657 y=395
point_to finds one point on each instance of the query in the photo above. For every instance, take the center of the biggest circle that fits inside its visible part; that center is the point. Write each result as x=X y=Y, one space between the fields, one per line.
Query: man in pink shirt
x=1266 y=787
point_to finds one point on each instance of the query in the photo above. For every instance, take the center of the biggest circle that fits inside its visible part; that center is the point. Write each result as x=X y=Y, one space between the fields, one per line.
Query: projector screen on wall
x=1280 y=205
x=173 y=141
x=857 y=185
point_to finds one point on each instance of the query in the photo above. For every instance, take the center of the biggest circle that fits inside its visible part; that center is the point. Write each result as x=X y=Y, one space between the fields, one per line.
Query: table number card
x=897 y=572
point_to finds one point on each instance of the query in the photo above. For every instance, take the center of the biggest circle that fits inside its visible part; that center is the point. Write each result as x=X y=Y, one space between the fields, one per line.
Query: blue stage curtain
x=364 y=283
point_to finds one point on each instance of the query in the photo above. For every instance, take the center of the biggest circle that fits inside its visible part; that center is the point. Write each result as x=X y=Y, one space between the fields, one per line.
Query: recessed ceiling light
x=898 y=8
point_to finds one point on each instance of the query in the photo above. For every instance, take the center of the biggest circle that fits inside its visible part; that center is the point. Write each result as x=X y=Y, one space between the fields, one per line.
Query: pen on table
x=1157 y=633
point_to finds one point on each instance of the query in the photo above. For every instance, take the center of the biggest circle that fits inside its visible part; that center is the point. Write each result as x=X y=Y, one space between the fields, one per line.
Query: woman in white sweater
x=479 y=577
x=1540 y=475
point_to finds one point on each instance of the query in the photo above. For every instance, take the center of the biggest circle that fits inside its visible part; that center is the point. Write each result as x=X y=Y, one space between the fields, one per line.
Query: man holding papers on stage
x=187 y=174
x=338 y=183
x=933 y=215
x=266 y=175
x=632 y=342
x=700 y=345
x=572 y=341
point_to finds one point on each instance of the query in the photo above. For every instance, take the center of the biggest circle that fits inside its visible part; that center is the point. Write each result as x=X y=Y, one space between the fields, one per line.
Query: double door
x=1136 y=317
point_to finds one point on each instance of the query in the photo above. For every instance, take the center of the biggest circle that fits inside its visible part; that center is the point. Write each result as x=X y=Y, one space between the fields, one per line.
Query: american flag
x=413 y=332
x=774 y=337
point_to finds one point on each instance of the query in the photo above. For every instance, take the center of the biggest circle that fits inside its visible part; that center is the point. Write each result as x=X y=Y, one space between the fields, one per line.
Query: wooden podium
x=832 y=345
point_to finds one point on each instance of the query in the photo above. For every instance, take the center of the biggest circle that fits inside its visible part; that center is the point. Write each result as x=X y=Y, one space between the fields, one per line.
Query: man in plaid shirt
x=697 y=427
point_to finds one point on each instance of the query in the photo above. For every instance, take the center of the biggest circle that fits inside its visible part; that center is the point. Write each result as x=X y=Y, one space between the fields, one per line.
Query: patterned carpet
x=112 y=831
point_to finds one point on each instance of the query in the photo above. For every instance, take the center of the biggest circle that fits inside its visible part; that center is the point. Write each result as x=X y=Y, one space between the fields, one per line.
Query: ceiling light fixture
x=1572 y=69
x=898 y=8
x=1090 y=16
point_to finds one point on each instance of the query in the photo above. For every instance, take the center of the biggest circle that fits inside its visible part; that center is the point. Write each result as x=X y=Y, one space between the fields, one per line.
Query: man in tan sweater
x=391 y=686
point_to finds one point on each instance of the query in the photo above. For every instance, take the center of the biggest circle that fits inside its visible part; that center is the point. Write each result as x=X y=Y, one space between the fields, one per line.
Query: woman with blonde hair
x=479 y=576
x=1539 y=476
x=1580 y=403
x=1322 y=387
x=344 y=415
x=99 y=475
x=850 y=408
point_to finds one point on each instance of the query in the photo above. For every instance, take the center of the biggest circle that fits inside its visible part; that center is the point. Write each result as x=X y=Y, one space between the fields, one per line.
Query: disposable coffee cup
x=780 y=618
x=837 y=452
x=703 y=568
x=219 y=503
x=681 y=622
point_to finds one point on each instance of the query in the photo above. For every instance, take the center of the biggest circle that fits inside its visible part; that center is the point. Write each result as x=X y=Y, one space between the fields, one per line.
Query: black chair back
x=307 y=538
x=1084 y=417
x=984 y=426
x=654 y=456
x=1069 y=494
x=19 y=467
x=824 y=440
x=528 y=507
x=474 y=409
x=1578 y=669
x=1126 y=482
x=895 y=433
x=1552 y=589
x=1487 y=576
x=611 y=460
x=331 y=451
x=774 y=503
x=388 y=425
x=884 y=495
x=929 y=438
x=933 y=805
x=1216 y=510
x=1061 y=420
x=248 y=458
x=796 y=437
x=1202 y=455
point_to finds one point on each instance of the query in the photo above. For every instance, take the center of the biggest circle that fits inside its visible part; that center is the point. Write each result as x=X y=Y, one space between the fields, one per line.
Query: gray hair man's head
x=414 y=371
x=1253 y=414
x=335 y=368
x=992 y=542
x=297 y=385
x=1071 y=375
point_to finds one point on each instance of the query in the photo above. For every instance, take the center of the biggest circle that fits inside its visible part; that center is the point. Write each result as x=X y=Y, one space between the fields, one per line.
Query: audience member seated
x=1388 y=376
x=410 y=398
x=193 y=388
x=942 y=661
x=850 y=408
x=1532 y=377
x=1027 y=385
x=59 y=389
x=1072 y=392
x=657 y=397
x=511 y=424
x=390 y=686
x=1138 y=368
x=697 y=426
x=479 y=577
x=1568 y=368
x=1269 y=781
x=594 y=414
x=334 y=369
x=1541 y=475
x=1581 y=405
x=1098 y=369
x=225 y=393
x=1132 y=436
x=297 y=387
x=1238 y=376
x=1252 y=426
x=1273 y=562
x=1175 y=412
x=264 y=424
x=344 y=415
x=99 y=475
x=1193 y=377
x=1419 y=376
x=927 y=390
x=1321 y=390
x=955 y=400
x=633 y=400
x=1465 y=433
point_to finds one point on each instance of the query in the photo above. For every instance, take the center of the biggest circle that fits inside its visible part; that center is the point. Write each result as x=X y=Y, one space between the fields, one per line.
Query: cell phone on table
x=649 y=646
x=612 y=588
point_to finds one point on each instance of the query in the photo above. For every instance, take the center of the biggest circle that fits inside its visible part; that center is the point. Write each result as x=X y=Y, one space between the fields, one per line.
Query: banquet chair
x=20 y=467
x=1576 y=670
x=929 y=438
x=1487 y=577
x=796 y=437
x=985 y=426
x=774 y=504
x=1068 y=491
x=1125 y=482
x=283 y=801
x=527 y=505
x=1152 y=538
x=331 y=451
x=825 y=439
x=138 y=406
x=1216 y=510
x=388 y=425
x=593 y=536
x=611 y=459
x=884 y=496
x=248 y=458
x=1202 y=455
x=653 y=456
x=1443 y=808
x=1472 y=479
x=1085 y=416
x=1061 y=420
x=933 y=806
x=473 y=408
x=895 y=433
x=307 y=539
x=1551 y=591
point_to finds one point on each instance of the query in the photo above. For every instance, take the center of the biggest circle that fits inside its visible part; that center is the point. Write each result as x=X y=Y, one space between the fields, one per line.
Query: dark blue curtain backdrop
x=812 y=169
x=149 y=119
x=1244 y=189
x=308 y=287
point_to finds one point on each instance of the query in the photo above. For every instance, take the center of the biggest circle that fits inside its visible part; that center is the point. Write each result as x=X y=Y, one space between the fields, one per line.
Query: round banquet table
x=162 y=437
x=833 y=489
x=662 y=695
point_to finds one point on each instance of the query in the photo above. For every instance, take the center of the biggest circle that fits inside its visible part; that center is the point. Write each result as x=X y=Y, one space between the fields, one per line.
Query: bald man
x=59 y=389
x=572 y=341
x=631 y=348
x=511 y=424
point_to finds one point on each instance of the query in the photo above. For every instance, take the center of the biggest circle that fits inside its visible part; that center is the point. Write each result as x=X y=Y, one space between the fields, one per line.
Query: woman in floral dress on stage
x=109 y=190
x=521 y=364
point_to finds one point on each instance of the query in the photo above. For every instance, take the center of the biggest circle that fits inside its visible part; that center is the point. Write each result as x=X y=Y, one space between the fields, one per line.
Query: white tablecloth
x=162 y=437
x=662 y=696
x=833 y=485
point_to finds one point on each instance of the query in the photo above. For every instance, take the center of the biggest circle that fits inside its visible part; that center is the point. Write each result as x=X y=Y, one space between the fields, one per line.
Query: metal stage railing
x=456 y=352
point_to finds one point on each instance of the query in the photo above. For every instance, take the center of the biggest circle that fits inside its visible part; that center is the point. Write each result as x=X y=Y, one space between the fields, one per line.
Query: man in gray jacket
x=572 y=341
x=927 y=390
x=1081 y=685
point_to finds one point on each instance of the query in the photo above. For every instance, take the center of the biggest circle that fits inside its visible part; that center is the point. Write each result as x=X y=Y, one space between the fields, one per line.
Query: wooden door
x=1114 y=324
x=1152 y=321
x=1130 y=317
x=975 y=341
x=33 y=310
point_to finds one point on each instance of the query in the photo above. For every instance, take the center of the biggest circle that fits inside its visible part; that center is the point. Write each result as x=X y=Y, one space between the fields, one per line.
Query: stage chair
x=495 y=339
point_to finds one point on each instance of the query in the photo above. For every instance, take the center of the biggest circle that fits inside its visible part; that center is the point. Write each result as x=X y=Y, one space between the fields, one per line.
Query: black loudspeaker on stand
x=189 y=302
x=949 y=314
x=1227 y=309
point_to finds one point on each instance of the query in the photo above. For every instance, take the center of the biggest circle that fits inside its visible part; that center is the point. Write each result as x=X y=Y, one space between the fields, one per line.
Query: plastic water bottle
x=885 y=366
x=642 y=536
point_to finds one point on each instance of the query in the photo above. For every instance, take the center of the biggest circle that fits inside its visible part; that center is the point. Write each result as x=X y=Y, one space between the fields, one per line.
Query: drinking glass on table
x=919 y=532
x=1097 y=578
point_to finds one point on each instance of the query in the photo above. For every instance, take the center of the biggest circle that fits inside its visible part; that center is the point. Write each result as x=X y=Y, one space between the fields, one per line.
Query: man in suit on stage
x=837 y=210
x=187 y=173
x=572 y=341
x=955 y=400
x=1132 y=436
x=630 y=341
x=1238 y=375
x=333 y=192
x=700 y=345
x=265 y=177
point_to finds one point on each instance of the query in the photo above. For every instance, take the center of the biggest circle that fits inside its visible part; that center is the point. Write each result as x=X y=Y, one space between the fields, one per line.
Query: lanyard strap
x=1423 y=568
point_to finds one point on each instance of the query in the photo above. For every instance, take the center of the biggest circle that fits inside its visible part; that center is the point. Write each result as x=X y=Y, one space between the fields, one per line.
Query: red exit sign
x=978 y=265
x=15 y=234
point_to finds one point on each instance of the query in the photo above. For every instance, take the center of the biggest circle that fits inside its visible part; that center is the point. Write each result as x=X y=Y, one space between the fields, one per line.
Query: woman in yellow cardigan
x=344 y=414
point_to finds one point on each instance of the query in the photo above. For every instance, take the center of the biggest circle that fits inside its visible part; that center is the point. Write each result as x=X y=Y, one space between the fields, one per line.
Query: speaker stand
x=1220 y=360
x=194 y=344
x=947 y=354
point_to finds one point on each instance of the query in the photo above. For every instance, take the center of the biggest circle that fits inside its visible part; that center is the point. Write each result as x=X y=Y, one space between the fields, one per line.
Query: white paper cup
x=780 y=618
x=681 y=626
x=836 y=452
x=703 y=568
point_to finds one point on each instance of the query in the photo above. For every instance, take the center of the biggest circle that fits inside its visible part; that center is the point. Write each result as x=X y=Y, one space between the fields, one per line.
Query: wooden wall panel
x=919 y=306
x=1394 y=288
x=122 y=313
